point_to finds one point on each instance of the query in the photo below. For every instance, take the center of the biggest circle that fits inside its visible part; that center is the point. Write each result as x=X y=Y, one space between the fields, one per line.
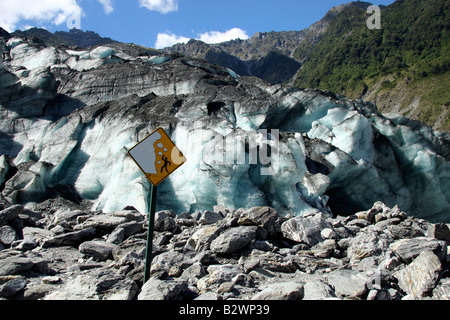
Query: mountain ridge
x=253 y=56
x=74 y=37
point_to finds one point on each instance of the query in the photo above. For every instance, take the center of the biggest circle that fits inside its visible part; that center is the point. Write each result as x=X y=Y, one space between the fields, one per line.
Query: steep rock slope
x=265 y=55
x=68 y=118
x=74 y=37
x=272 y=56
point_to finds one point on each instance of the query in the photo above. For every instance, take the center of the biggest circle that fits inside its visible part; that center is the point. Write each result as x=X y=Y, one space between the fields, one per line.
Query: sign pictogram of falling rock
x=157 y=156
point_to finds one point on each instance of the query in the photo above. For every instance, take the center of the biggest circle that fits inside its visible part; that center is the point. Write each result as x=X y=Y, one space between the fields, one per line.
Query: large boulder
x=70 y=239
x=282 y=291
x=421 y=275
x=233 y=239
x=368 y=243
x=99 y=250
x=408 y=249
x=306 y=229
x=264 y=217
x=156 y=289
x=9 y=214
x=18 y=265
x=348 y=283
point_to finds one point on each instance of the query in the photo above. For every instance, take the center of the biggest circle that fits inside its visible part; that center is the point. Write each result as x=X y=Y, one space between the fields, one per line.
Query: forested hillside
x=404 y=66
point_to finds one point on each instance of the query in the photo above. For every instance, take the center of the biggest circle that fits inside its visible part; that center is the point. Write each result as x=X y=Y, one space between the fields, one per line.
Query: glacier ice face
x=68 y=118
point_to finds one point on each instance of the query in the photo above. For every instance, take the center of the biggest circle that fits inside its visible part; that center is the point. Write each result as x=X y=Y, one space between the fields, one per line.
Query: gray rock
x=368 y=243
x=37 y=292
x=64 y=216
x=37 y=234
x=131 y=259
x=7 y=236
x=131 y=228
x=271 y=261
x=165 y=220
x=305 y=229
x=97 y=285
x=61 y=259
x=9 y=214
x=209 y=217
x=109 y=221
x=70 y=239
x=243 y=280
x=262 y=246
x=12 y=286
x=4 y=168
x=202 y=238
x=51 y=280
x=368 y=215
x=378 y=295
x=195 y=271
x=99 y=250
x=388 y=222
x=264 y=217
x=171 y=259
x=155 y=289
x=408 y=249
x=324 y=249
x=208 y=296
x=390 y=263
x=19 y=265
x=328 y=233
x=421 y=275
x=404 y=230
x=233 y=239
x=117 y=236
x=218 y=274
x=24 y=245
x=105 y=223
x=361 y=223
x=383 y=212
x=317 y=290
x=442 y=290
x=348 y=283
x=130 y=245
x=124 y=231
x=28 y=184
x=281 y=291
x=439 y=231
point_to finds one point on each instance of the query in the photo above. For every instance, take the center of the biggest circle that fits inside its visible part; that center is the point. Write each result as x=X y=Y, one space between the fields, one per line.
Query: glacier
x=68 y=116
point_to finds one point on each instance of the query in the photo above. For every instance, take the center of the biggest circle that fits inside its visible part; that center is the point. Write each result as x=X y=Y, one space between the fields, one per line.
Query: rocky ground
x=57 y=252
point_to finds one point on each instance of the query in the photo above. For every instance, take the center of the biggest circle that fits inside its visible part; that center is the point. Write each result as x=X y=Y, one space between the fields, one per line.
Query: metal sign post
x=150 y=231
x=157 y=157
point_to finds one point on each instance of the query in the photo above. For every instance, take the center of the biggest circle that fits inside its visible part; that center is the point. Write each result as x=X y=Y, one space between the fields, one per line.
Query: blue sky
x=154 y=23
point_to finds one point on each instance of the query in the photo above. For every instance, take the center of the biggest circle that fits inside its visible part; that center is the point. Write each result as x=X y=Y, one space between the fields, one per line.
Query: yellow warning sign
x=157 y=156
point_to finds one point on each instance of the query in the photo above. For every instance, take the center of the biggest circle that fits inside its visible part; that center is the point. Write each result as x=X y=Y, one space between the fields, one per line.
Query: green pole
x=151 y=227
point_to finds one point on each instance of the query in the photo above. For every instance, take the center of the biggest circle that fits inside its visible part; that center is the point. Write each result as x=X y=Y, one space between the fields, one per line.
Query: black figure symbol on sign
x=166 y=163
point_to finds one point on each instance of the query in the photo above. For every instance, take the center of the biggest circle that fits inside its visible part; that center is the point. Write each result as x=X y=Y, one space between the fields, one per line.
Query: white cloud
x=56 y=12
x=217 y=36
x=107 y=6
x=162 y=6
x=169 y=39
